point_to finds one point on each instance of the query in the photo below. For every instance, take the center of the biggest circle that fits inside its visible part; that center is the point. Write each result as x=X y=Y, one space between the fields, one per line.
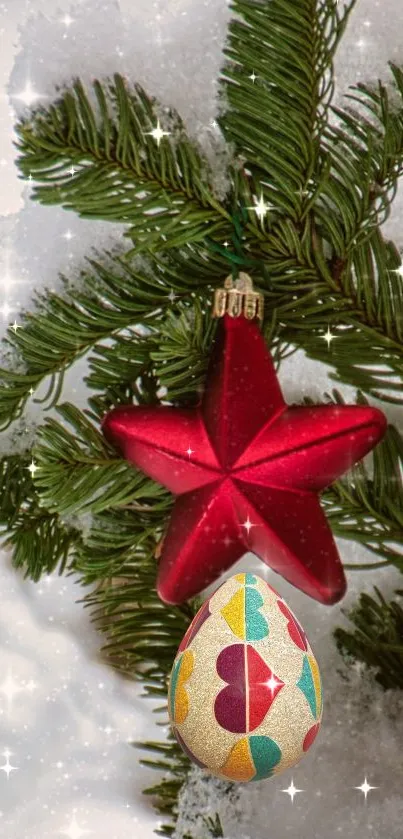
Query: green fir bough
x=308 y=188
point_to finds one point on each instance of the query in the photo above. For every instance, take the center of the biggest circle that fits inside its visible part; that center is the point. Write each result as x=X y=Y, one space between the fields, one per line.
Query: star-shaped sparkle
x=328 y=337
x=28 y=95
x=365 y=788
x=158 y=133
x=7 y=768
x=5 y=309
x=398 y=271
x=292 y=790
x=32 y=468
x=260 y=207
x=10 y=688
x=74 y=831
x=247 y=525
x=272 y=683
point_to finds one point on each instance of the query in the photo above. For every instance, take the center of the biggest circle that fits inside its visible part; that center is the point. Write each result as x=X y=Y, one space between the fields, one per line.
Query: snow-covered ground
x=65 y=718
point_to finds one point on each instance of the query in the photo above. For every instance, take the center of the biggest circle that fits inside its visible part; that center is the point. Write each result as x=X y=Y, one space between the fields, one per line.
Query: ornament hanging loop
x=238 y=297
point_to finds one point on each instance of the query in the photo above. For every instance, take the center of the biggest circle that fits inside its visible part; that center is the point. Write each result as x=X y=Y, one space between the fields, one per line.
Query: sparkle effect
x=328 y=337
x=158 y=133
x=7 y=768
x=292 y=790
x=32 y=468
x=365 y=788
x=28 y=96
x=5 y=309
x=260 y=207
x=74 y=831
x=272 y=683
x=248 y=524
x=10 y=688
x=398 y=271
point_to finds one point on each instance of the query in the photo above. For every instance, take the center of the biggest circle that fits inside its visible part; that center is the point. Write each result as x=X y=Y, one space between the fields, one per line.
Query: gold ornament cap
x=238 y=297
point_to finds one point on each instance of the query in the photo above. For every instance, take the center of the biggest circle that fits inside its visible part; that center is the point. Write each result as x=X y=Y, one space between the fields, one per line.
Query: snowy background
x=66 y=766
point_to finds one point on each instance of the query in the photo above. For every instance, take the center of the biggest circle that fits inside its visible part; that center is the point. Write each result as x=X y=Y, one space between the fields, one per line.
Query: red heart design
x=310 y=737
x=247 y=676
x=197 y=622
x=295 y=630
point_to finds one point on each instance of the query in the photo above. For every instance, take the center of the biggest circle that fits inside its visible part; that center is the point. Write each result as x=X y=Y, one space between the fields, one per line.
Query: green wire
x=237 y=257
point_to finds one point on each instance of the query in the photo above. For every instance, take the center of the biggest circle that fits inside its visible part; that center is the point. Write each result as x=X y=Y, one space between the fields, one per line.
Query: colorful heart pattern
x=243 y=614
x=251 y=688
x=295 y=630
x=310 y=685
x=183 y=669
x=252 y=759
x=234 y=721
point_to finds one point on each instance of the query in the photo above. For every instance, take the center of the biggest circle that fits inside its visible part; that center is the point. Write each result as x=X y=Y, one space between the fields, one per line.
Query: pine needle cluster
x=326 y=178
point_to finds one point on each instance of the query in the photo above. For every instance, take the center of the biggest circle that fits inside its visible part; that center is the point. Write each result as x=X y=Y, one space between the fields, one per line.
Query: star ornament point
x=255 y=482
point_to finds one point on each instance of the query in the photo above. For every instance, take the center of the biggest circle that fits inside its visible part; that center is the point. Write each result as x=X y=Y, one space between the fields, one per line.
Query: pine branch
x=365 y=154
x=40 y=541
x=276 y=118
x=175 y=764
x=182 y=353
x=377 y=639
x=317 y=256
x=362 y=507
x=120 y=536
x=362 y=304
x=114 y=294
x=77 y=471
x=102 y=161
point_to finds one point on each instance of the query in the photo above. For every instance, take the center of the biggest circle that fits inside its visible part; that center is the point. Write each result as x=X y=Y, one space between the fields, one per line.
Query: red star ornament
x=246 y=470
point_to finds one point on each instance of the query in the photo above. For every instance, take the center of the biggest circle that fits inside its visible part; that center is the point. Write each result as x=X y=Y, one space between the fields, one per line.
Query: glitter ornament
x=244 y=696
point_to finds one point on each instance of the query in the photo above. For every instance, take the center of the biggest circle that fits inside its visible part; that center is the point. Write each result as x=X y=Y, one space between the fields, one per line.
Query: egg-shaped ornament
x=244 y=696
